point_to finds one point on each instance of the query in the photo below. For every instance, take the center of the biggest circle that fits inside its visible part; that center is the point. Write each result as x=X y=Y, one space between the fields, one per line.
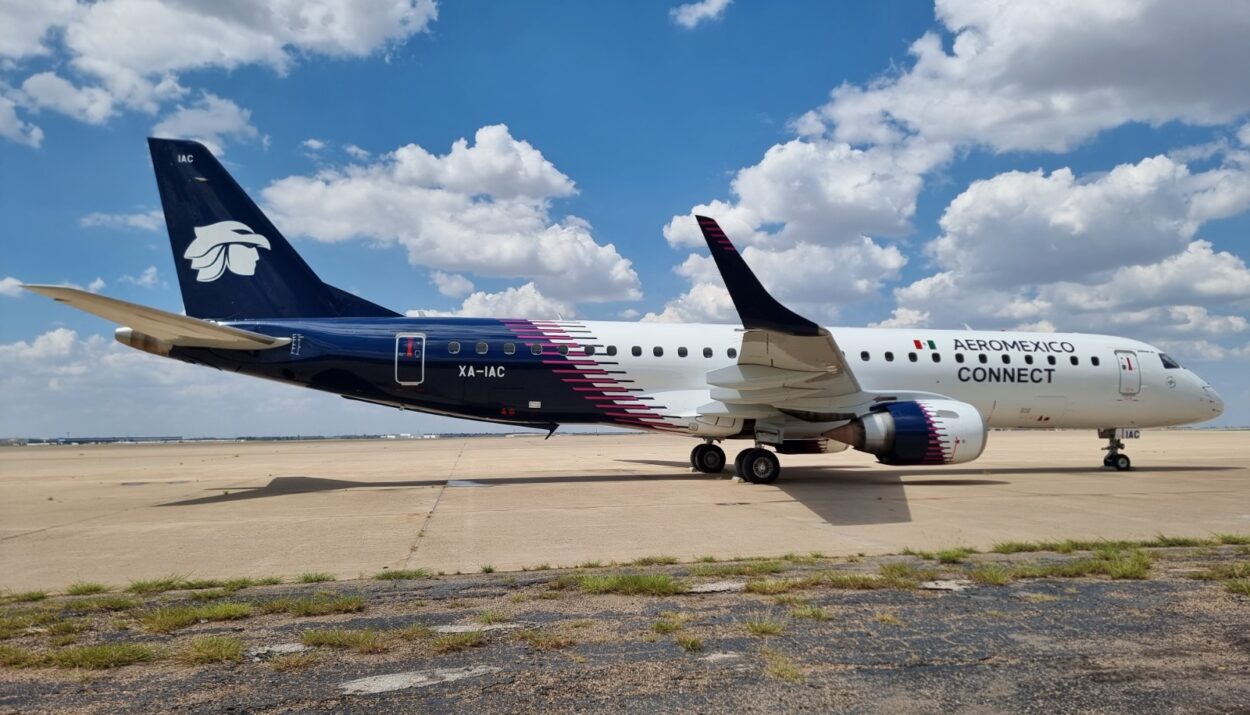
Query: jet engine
x=916 y=432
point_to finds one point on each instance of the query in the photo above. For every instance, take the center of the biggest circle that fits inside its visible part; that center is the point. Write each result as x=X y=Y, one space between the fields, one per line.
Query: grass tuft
x=543 y=640
x=489 y=617
x=413 y=632
x=903 y=575
x=654 y=561
x=364 y=640
x=955 y=555
x=315 y=577
x=1232 y=539
x=777 y=665
x=402 y=575
x=213 y=649
x=85 y=588
x=293 y=661
x=690 y=644
x=98 y=657
x=169 y=618
x=26 y=596
x=12 y=656
x=1239 y=586
x=103 y=603
x=456 y=642
x=670 y=622
x=814 y=613
x=765 y=626
x=991 y=575
x=148 y=587
x=746 y=568
x=658 y=584
x=888 y=618
x=1223 y=572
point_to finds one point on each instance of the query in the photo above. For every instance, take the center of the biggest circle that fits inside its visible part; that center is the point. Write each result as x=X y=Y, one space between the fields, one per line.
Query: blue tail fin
x=232 y=263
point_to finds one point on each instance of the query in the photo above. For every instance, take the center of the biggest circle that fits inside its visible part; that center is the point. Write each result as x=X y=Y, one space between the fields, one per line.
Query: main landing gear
x=1114 y=458
x=756 y=465
x=708 y=458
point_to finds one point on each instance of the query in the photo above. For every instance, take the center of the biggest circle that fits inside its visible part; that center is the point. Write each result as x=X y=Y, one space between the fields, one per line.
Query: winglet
x=756 y=308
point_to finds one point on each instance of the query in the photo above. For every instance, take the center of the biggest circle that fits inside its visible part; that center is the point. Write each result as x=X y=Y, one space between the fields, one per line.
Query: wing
x=166 y=327
x=788 y=364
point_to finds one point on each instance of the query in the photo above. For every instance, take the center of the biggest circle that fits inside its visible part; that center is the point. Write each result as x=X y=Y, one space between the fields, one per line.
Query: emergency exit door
x=410 y=358
x=1130 y=372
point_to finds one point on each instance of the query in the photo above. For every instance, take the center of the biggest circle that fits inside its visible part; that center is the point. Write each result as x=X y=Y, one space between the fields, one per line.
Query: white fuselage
x=1014 y=379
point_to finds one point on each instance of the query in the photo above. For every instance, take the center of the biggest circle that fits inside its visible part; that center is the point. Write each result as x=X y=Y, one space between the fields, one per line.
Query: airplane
x=779 y=382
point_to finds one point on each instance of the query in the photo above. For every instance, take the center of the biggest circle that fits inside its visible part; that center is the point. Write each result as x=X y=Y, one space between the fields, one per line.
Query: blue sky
x=1072 y=166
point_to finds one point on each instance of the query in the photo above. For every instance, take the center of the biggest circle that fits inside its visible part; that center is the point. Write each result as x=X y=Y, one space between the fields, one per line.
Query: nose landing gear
x=1114 y=458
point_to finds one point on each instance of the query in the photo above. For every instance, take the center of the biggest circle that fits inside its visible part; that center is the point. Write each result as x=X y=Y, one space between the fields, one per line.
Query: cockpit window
x=1169 y=363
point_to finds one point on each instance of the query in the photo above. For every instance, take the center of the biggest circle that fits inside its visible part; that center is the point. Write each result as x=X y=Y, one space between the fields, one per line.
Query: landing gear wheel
x=739 y=471
x=708 y=458
x=1106 y=461
x=1121 y=462
x=759 y=466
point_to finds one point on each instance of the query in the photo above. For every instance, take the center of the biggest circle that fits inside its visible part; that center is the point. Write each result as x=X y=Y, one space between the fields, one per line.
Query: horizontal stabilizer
x=166 y=327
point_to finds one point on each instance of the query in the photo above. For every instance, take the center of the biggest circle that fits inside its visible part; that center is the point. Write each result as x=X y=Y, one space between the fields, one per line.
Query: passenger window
x=681 y=352
x=453 y=347
x=937 y=357
x=1006 y=359
x=959 y=357
x=1075 y=360
x=864 y=356
x=1094 y=361
x=911 y=356
x=1050 y=359
x=481 y=348
x=590 y=350
x=657 y=351
x=889 y=356
x=982 y=358
x=636 y=351
x=563 y=349
x=1028 y=359
x=732 y=352
x=707 y=352
x=509 y=348
x=611 y=350
x=536 y=349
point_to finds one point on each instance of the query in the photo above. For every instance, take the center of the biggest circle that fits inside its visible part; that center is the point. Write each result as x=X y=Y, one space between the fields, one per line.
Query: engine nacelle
x=917 y=432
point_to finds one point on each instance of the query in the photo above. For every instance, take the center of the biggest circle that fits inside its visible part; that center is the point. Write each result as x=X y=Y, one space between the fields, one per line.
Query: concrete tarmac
x=113 y=513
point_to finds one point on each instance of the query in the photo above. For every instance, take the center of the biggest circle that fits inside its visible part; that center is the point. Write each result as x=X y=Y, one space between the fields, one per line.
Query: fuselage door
x=1130 y=372
x=410 y=358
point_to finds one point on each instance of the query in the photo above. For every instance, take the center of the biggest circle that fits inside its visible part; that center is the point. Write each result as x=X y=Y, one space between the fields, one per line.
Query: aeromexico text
x=1011 y=374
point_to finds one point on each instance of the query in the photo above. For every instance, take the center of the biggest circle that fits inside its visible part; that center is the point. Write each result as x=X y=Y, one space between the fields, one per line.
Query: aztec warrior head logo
x=224 y=246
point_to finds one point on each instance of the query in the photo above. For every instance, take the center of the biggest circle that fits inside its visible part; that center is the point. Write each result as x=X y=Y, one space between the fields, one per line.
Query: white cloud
x=1055 y=227
x=24 y=25
x=703 y=303
x=14 y=128
x=524 y=301
x=904 y=318
x=452 y=285
x=482 y=208
x=96 y=285
x=313 y=144
x=11 y=287
x=210 y=120
x=143 y=220
x=147 y=279
x=1049 y=75
x=47 y=90
x=691 y=14
x=131 y=53
x=357 y=153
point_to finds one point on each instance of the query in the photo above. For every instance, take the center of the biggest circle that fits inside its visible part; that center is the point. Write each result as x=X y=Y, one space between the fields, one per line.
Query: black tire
x=761 y=466
x=695 y=454
x=1122 y=463
x=1106 y=461
x=711 y=459
x=739 y=470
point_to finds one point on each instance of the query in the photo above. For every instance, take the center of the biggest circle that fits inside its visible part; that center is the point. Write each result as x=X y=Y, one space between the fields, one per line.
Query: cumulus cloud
x=692 y=14
x=15 y=128
x=452 y=285
x=313 y=144
x=1048 y=76
x=357 y=153
x=142 y=220
x=524 y=301
x=482 y=208
x=210 y=120
x=11 y=287
x=147 y=279
x=131 y=54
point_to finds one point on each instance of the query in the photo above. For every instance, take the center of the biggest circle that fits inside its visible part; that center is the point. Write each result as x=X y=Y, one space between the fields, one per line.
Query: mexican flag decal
x=922 y=344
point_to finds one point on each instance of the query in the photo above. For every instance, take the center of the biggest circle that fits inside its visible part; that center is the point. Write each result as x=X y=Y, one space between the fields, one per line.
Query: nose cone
x=1217 y=404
